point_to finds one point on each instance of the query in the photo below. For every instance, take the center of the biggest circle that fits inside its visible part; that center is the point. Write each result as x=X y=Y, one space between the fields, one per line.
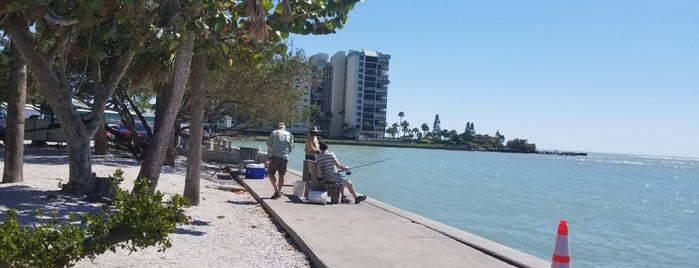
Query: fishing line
x=371 y=163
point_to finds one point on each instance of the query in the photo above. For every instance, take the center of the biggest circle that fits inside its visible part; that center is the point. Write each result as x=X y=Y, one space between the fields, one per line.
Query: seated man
x=328 y=165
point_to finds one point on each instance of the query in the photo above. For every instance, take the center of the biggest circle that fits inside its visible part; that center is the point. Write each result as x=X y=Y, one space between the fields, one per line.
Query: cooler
x=254 y=172
x=318 y=197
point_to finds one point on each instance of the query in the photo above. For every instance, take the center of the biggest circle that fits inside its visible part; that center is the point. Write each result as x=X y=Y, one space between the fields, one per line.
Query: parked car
x=140 y=129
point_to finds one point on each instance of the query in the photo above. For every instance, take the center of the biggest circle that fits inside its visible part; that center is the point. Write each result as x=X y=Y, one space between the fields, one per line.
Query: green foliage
x=521 y=145
x=132 y=221
x=247 y=94
x=424 y=141
x=393 y=130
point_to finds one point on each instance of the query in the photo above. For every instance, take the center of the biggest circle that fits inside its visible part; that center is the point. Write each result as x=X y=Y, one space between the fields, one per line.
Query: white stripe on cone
x=561 y=255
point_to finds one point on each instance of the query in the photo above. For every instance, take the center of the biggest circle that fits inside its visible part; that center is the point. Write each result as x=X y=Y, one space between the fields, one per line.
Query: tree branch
x=55 y=20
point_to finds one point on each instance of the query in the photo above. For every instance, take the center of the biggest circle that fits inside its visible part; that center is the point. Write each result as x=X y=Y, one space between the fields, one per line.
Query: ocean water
x=622 y=210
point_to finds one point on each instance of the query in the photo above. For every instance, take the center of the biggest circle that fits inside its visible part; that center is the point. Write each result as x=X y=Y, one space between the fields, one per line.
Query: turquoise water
x=622 y=210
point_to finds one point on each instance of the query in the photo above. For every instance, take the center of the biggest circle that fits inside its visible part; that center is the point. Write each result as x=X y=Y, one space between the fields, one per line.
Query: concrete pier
x=375 y=234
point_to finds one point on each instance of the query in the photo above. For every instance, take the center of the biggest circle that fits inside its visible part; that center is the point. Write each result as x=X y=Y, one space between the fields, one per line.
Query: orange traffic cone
x=561 y=256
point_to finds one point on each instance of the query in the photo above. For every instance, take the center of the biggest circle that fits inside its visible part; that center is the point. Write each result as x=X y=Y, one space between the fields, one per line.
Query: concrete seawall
x=369 y=234
x=375 y=234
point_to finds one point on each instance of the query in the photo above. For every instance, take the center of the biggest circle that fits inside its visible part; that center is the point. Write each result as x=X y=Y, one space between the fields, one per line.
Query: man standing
x=312 y=144
x=279 y=146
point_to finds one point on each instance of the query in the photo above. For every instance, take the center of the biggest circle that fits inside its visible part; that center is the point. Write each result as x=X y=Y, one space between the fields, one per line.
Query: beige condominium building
x=350 y=93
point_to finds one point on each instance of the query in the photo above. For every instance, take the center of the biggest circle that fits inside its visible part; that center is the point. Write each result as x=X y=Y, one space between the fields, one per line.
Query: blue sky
x=594 y=76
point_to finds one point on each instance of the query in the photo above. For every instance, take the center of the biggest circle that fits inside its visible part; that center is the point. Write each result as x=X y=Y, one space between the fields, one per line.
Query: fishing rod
x=371 y=163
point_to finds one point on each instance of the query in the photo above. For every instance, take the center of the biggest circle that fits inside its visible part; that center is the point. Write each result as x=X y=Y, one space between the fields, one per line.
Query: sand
x=229 y=229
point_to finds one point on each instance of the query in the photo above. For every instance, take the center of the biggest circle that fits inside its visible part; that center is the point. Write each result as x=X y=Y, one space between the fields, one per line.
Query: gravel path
x=230 y=228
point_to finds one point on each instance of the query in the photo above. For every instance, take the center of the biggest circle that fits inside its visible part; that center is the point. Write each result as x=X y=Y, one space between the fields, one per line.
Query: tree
x=393 y=130
x=58 y=27
x=155 y=155
x=453 y=137
x=405 y=127
x=401 y=115
x=521 y=145
x=14 y=131
x=414 y=131
x=499 y=137
x=4 y=67
x=254 y=22
x=383 y=125
x=424 y=128
x=444 y=133
x=245 y=93
x=192 y=179
x=436 y=129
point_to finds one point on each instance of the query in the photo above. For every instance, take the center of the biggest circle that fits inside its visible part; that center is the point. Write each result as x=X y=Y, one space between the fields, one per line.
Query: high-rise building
x=351 y=95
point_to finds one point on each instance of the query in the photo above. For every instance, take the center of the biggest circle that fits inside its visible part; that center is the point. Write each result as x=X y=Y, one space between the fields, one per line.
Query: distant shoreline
x=416 y=146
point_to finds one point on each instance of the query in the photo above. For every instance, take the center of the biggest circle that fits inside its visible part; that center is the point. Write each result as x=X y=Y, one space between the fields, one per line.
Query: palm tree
x=425 y=128
x=395 y=131
x=401 y=115
x=414 y=131
x=405 y=127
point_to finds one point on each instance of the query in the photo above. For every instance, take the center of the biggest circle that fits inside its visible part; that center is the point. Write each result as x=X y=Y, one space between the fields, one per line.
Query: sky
x=592 y=76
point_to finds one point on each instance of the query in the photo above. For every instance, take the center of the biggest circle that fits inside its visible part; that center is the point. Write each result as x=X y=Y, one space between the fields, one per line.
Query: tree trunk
x=14 y=129
x=101 y=145
x=59 y=98
x=160 y=108
x=155 y=154
x=171 y=153
x=196 y=129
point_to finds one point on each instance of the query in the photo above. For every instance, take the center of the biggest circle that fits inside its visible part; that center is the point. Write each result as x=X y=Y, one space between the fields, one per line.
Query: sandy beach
x=229 y=229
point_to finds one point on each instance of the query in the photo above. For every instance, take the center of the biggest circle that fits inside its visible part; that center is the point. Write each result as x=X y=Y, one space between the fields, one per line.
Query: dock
x=375 y=234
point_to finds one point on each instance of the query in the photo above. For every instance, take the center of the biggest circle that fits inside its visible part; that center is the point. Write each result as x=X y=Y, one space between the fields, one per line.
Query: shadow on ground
x=48 y=200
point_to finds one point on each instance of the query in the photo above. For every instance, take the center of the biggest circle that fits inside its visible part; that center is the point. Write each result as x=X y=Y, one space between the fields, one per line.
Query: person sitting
x=328 y=166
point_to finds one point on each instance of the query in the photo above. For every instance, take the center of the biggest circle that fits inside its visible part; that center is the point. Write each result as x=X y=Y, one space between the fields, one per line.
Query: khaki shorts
x=277 y=164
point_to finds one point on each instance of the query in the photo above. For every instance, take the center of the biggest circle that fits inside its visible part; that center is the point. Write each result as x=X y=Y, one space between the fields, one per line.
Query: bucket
x=298 y=188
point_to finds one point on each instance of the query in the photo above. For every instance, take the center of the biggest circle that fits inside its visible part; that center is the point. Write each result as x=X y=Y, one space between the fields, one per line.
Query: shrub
x=424 y=141
x=132 y=221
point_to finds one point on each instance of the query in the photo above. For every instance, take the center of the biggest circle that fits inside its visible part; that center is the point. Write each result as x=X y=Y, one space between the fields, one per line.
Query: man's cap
x=313 y=129
x=323 y=145
x=281 y=125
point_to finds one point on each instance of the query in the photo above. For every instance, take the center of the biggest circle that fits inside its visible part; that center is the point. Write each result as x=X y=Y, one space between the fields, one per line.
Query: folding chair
x=247 y=156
